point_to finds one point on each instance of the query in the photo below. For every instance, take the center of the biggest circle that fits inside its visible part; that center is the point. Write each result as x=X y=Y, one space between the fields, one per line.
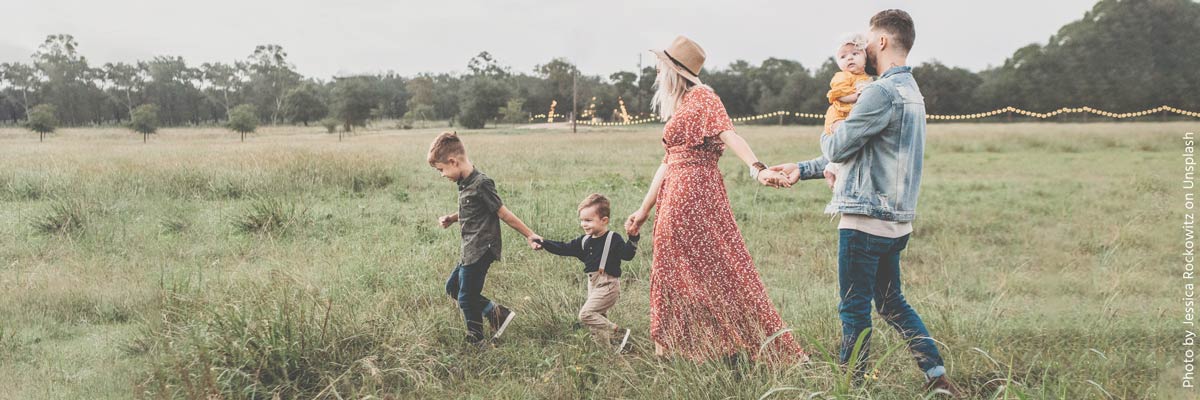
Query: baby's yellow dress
x=843 y=84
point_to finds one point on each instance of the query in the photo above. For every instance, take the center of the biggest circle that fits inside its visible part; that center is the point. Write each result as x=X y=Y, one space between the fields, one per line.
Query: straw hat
x=685 y=56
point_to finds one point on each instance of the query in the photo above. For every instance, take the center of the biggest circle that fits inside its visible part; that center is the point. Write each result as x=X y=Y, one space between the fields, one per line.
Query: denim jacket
x=881 y=145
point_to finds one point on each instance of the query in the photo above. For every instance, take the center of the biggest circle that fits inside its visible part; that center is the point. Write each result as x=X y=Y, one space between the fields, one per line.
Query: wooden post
x=1164 y=115
x=780 y=119
x=1009 y=116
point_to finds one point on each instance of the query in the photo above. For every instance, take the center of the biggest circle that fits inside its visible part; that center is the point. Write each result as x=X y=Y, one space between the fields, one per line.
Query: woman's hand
x=775 y=179
x=633 y=224
x=790 y=170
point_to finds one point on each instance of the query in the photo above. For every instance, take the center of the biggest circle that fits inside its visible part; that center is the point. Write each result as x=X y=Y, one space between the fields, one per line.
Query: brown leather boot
x=942 y=385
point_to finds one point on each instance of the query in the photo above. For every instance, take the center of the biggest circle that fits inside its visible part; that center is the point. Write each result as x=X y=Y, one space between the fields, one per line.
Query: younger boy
x=601 y=251
x=480 y=212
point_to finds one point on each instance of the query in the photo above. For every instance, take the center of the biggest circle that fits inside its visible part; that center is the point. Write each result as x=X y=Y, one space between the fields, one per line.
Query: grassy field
x=299 y=266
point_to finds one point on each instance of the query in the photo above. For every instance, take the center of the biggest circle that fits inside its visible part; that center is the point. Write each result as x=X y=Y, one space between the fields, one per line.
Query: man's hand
x=535 y=241
x=830 y=179
x=790 y=172
x=446 y=220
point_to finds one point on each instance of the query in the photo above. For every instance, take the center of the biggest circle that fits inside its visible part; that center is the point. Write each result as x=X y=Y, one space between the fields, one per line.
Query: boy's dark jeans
x=466 y=285
x=869 y=268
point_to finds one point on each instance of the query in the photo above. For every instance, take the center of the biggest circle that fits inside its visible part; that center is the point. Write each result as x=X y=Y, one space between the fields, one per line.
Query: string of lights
x=1065 y=110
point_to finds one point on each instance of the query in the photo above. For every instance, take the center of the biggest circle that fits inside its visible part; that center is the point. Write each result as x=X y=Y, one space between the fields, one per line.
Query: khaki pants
x=603 y=292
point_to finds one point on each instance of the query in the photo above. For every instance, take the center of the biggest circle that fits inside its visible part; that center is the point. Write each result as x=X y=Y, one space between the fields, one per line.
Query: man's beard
x=870 y=67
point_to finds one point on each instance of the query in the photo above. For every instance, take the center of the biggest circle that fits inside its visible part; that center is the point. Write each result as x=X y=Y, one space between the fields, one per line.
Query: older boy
x=480 y=211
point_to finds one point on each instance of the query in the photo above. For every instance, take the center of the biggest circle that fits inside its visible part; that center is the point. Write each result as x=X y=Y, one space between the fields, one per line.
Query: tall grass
x=293 y=266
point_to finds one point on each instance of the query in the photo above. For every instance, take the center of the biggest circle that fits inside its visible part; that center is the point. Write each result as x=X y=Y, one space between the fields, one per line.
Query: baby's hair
x=857 y=39
x=596 y=200
x=445 y=146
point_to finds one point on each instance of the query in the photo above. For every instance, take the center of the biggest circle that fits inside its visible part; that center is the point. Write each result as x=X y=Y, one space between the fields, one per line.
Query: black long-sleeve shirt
x=589 y=251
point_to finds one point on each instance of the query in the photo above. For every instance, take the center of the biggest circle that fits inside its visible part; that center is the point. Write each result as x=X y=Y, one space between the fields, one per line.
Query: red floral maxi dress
x=706 y=298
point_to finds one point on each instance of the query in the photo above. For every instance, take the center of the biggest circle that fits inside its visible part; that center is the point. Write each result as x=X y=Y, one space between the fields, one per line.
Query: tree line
x=1121 y=56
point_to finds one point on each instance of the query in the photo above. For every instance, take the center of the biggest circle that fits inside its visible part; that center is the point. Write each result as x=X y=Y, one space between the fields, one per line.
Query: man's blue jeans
x=466 y=285
x=869 y=269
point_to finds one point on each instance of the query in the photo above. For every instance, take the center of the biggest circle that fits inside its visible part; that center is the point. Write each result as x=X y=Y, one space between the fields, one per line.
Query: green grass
x=298 y=266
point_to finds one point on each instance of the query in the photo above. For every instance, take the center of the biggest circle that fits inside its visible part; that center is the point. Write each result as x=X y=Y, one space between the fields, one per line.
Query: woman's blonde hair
x=670 y=87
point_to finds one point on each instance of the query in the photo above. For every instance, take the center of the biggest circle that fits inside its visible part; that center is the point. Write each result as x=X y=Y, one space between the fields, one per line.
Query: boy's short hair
x=898 y=24
x=599 y=201
x=445 y=146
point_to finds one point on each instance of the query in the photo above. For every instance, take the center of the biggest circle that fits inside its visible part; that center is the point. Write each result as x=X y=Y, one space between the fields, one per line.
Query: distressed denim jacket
x=881 y=145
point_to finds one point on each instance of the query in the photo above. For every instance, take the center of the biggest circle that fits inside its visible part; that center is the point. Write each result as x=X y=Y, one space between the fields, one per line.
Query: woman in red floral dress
x=706 y=298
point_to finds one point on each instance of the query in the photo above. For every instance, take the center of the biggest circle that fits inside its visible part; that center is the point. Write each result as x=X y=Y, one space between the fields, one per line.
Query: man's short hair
x=599 y=201
x=898 y=24
x=445 y=146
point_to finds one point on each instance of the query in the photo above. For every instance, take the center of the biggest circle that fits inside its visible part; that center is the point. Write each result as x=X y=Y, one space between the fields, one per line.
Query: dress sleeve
x=840 y=86
x=711 y=119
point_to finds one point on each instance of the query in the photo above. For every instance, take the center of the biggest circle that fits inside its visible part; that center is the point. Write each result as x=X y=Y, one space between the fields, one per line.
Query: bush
x=270 y=217
x=42 y=120
x=144 y=120
x=330 y=125
x=243 y=119
x=66 y=217
x=513 y=112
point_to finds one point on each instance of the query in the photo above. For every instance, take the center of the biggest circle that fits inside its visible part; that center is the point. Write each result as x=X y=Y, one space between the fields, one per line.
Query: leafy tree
x=42 y=120
x=947 y=90
x=23 y=81
x=69 y=83
x=224 y=83
x=144 y=120
x=303 y=104
x=271 y=76
x=482 y=99
x=514 y=112
x=353 y=100
x=484 y=64
x=124 y=80
x=171 y=85
x=243 y=119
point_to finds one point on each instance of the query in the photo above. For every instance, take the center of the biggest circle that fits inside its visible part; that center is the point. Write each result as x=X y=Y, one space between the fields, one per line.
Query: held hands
x=446 y=220
x=535 y=241
x=789 y=173
x=633 y=224
x=775 y=179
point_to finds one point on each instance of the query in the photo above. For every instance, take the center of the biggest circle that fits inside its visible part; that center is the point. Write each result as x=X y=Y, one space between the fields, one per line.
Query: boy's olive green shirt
x=478 y=207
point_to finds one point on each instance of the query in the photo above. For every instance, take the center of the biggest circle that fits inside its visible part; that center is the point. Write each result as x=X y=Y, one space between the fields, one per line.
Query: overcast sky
x=324 y=38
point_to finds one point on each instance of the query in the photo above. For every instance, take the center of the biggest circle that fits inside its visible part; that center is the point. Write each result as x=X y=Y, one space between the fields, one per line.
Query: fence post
x=780 y=119
x=1009 y=113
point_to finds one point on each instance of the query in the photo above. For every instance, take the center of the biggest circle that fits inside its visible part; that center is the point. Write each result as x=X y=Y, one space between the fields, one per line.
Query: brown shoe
x=942 y=385
x=499 y=319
